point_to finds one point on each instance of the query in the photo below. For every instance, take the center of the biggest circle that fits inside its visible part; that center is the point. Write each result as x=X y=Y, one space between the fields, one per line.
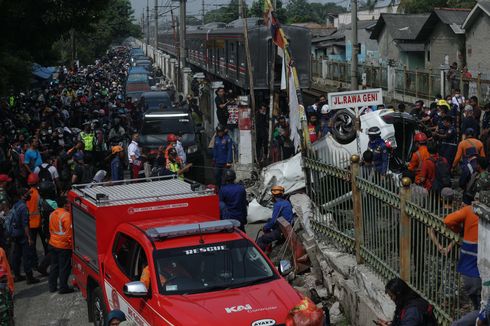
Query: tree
x=300 y=11
x=257 y=10
x=423 y=6
x=224 y=14
x=32 y=29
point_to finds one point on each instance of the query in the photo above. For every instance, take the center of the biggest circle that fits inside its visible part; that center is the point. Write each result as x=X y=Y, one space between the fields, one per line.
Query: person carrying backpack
x=17 y=228
x=410 y=308
x=469 y=169
x=47 y=206
x=435 y=173
x=48 y=173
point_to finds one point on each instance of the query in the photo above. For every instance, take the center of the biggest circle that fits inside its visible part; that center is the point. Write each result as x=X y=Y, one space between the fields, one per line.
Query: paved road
x=34 y=305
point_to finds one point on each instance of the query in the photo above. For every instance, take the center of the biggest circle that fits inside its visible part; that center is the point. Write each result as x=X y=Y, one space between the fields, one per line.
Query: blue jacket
x=22 y=216
x=283 y=208
x=234 y=198
x=380 y=155
x=222 y=149
x=117 y=172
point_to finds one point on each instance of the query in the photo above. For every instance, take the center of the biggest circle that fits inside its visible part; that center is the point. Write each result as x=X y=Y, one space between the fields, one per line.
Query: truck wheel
x=99 y=311
x=343 y=126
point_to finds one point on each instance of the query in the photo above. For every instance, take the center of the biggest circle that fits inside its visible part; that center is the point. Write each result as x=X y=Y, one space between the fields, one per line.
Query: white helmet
x=325 y=109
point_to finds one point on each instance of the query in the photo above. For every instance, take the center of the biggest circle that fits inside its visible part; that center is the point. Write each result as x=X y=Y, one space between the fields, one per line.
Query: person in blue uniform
x=233 y=199
x=222 y=153
x=282 y=208
x=380 y=152
x=447 y=138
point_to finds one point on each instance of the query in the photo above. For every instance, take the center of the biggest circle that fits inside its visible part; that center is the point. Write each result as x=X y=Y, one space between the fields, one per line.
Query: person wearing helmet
x=222 y=153
x=469 y=141
x=380 y=152
x=282 y=208
x=174 y=164
x=171 y=141
x=33 y=206
x=117 y=166
x=325 y=116
x=233 y=199
x=419 y=156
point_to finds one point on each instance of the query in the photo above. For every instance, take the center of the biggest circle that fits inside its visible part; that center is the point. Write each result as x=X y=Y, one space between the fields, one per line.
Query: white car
x=397 y=129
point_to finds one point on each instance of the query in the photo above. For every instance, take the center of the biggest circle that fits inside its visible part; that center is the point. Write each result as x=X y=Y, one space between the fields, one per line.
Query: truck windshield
x=167 y=125
x=212 y=267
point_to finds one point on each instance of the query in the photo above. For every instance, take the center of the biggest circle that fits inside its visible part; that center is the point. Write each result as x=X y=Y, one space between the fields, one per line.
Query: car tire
x=343 y=126
x=99 y=311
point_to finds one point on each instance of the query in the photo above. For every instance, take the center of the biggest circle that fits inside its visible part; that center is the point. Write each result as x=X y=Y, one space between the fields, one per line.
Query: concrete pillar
x=173 y=64
x=324 y=69
x=165 y=68
x=443 y=82
x=186 y=72
x=391 y=79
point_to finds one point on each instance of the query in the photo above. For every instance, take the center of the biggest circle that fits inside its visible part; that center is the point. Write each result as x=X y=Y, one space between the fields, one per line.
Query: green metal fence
x=396 y=229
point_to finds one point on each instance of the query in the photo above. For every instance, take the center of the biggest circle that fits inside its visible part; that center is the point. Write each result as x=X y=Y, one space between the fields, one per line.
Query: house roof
x=482 y=7
x=411 y=47
x=451 y=16
x=401 y=27
x=386 y=3
x=363 y=24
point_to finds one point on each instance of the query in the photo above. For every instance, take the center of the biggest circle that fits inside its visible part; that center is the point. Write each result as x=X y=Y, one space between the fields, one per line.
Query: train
x=219 y=50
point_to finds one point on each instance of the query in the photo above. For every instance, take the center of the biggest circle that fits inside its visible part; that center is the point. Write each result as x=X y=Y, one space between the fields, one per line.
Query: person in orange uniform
x=468 y=141
x=419 y=156
x=60 y=247
x=5 y=271
x=171 y=141
x=33 y=205
x=467 y=266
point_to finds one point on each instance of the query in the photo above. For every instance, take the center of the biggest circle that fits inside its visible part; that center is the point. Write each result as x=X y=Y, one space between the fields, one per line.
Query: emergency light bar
x=166 y=115
x=192 y=229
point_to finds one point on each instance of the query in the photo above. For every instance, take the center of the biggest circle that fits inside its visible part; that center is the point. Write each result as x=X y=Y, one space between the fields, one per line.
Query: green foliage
x=423 y=6
x=38 y=31
x=301 y=11
x=257 y=10
x=225 y=14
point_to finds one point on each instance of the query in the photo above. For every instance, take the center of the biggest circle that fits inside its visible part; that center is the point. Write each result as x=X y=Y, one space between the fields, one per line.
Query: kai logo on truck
x=264 y=322
x=239 y=308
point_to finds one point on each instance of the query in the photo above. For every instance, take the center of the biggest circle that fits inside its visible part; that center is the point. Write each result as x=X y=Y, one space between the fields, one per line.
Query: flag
x=273 y=24
x=280 y=52
x=294 y=122
x=268 y=13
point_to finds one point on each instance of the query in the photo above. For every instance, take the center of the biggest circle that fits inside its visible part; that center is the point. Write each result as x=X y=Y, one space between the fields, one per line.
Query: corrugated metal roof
x=451 y=16
x=483 y=6
x=401 y=27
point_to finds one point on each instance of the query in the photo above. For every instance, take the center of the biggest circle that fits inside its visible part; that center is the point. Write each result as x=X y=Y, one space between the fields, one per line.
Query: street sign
x=355 y=99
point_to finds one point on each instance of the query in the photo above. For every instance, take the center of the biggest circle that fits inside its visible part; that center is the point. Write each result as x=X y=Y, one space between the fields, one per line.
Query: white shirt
x=180 y=151
x=133 y=149
x=52 y=170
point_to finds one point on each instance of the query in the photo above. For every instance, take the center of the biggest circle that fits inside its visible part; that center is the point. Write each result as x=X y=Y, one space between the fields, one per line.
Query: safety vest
x=88 y=140
x=60 y=229
x=5 y=270
x=33 y=208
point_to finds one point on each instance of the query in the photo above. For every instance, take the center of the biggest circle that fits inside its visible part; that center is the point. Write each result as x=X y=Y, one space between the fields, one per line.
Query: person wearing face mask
x=262 y=136
x=469 y=121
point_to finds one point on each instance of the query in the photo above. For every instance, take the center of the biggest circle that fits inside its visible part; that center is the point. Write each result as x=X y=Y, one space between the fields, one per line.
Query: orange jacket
x=464 y=216
x=5 y=270
x=60 y=229
x=33 y=207
x=464 y=145
x=415 y=164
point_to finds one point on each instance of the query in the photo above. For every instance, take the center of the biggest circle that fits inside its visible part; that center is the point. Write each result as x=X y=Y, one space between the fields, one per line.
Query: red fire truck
x=203 y=270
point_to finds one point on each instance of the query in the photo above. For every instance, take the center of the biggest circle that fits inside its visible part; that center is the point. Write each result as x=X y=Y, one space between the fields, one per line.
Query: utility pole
x=203 y=12
x=182 y=42
x=177 y=46
x=241 y=9
x=355 y=46
x=156 y=25
x=147 y=25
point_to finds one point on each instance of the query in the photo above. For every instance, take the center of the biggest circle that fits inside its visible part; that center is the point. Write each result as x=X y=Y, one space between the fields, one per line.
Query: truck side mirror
x=285 y=267
x=135 y=289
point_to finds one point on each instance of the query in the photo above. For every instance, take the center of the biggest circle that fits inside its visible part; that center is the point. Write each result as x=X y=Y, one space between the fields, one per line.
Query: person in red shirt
x=314 y=128
x=428 y=172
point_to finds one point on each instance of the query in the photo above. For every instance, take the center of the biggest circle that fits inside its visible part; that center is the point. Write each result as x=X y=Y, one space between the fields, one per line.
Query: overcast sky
x=194 y=6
